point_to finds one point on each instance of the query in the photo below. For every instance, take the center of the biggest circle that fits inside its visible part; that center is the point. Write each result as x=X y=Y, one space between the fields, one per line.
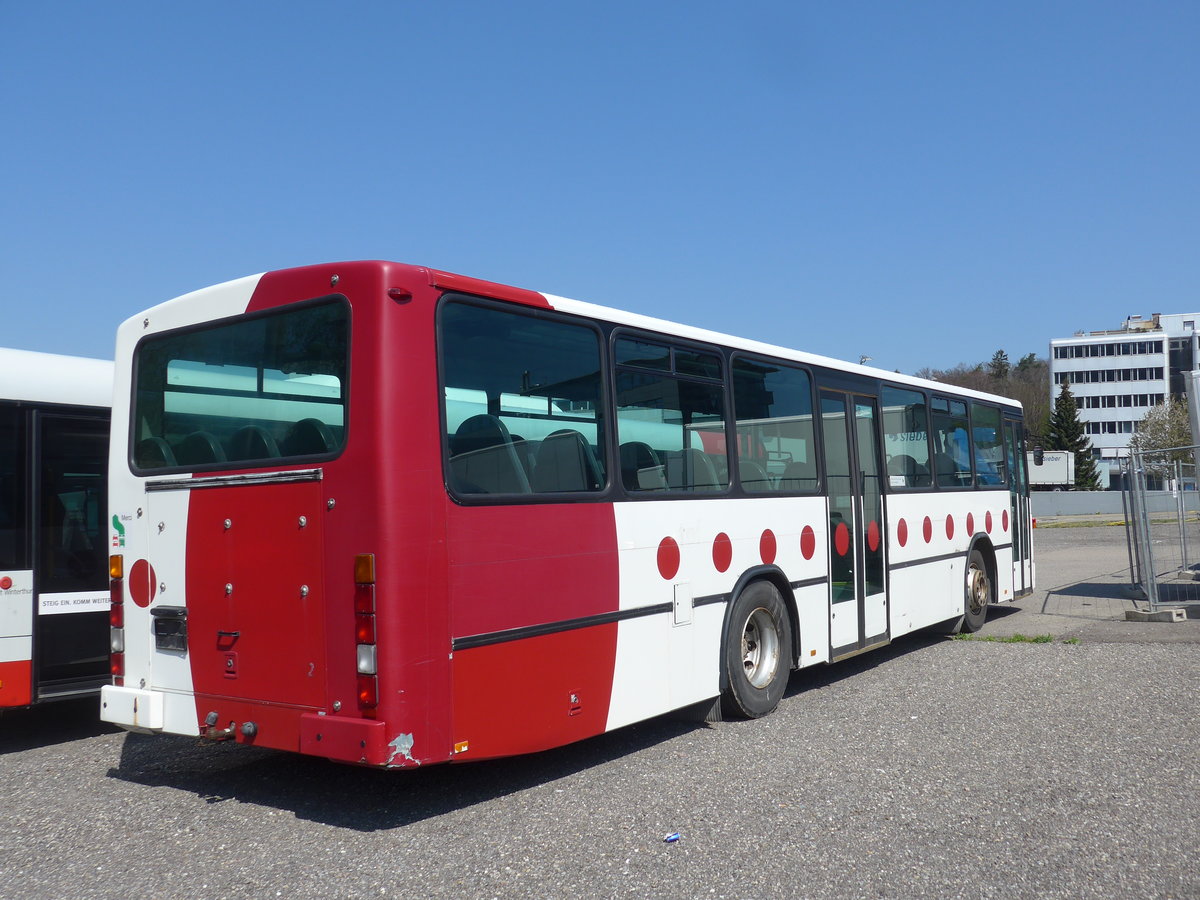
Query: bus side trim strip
x=528 y=631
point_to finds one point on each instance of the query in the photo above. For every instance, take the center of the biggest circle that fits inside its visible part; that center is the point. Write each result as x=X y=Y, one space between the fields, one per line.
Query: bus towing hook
x=211 y=732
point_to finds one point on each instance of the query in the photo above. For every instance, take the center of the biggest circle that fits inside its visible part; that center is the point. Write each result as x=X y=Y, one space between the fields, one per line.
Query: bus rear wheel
x=757 y=652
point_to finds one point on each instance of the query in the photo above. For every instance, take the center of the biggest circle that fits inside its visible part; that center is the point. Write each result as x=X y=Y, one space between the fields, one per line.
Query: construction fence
x=1162 y=524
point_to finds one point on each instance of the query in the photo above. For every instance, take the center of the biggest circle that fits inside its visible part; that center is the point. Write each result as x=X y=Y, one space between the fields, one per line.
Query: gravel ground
x=933 y=768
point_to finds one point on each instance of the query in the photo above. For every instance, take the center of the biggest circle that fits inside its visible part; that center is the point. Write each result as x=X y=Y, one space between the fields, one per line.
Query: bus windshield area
x=253 y=391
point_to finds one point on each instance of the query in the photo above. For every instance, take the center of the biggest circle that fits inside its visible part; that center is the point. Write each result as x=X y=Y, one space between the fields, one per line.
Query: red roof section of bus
x=287 y=285
x=451 y=282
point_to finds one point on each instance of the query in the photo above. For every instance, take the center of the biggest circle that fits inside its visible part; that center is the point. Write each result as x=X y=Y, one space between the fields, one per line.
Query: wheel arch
x=774 y=575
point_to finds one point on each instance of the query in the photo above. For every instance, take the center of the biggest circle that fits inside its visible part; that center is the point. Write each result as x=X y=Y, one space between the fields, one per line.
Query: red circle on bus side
x=668 y=557
x=950 y=527
x=141 y=583
x=722 y=551
x=970 y=524
x=808 y=542
x=902 y=532
x=987 y=521
x=767 y=546
x=5 y=583
x=841 y=539
x=927 y=529
x=873 y=536
x=1004 y=521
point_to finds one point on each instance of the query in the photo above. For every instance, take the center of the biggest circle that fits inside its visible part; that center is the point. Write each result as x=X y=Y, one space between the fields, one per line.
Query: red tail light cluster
x=364 y=634
x=116 y=618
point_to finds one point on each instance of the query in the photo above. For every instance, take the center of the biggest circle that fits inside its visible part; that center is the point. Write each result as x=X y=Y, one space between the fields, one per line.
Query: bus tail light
x=364 y=628
x=116 y=618
x=364 y=634
x=368 y=695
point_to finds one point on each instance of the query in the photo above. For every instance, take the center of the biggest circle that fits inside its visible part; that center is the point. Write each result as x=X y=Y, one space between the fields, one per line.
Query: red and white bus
x=54 y=633
x=395 y=516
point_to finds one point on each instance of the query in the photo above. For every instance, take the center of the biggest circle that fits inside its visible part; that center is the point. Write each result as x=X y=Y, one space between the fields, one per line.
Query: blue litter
x=671 y=838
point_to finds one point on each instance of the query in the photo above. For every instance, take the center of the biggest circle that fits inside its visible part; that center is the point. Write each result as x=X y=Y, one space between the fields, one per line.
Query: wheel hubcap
x=760 y=648
x=978 y=590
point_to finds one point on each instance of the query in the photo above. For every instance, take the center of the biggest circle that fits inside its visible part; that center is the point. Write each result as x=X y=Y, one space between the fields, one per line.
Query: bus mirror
x=1039 y=456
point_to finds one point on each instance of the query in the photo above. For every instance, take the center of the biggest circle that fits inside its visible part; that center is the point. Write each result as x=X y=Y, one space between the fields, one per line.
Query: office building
x=1116 y=376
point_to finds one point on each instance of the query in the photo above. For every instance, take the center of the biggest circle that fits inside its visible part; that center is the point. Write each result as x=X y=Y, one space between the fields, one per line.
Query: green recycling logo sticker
x=119 y=533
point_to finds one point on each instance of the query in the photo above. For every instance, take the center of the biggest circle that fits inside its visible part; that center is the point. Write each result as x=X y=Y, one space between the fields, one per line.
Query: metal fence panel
x=1159 y=492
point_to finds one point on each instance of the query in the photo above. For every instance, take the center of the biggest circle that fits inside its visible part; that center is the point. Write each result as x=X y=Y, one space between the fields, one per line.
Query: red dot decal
x=722 y=551
x=950 y=527
x=927 y=529
x=141 y=583
x=841 y=539
x=668 y=557
x=766 y=546
x=970 y=524
x=873 y=536
x=808 y=542
x=902 y=533
x=987 y=521
x=1004 y=521
x=5 y=583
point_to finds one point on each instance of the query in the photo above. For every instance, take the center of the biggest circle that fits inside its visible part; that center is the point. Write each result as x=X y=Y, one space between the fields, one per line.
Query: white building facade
x=1116 y=376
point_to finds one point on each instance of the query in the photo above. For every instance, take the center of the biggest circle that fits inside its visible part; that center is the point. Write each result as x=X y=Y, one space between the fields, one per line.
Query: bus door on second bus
x=859 y=603
x=53 y=533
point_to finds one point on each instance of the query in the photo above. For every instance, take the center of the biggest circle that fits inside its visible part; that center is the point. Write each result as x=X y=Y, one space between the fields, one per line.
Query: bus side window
x=775 y=442
x=987 y=446
x=952 y=443
x=670 y=402
x=906 y=438
x=523 y=402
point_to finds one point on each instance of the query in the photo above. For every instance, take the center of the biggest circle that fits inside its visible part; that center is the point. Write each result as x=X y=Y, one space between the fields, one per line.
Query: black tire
x=978 y=592
x=757 y=656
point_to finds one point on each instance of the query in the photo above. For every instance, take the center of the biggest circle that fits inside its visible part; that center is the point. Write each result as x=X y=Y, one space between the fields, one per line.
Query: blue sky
x=920 y=182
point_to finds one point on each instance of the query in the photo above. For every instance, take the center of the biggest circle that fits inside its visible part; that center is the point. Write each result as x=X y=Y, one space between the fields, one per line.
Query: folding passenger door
x=1018 y=489
x=857 y=554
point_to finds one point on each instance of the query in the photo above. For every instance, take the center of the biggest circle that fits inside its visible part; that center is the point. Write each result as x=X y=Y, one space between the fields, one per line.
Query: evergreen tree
x=999 y=367
x=1027 y=364
x=1065 y=432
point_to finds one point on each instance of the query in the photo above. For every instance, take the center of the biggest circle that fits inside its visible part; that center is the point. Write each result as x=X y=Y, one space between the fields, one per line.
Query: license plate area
x=170 y=628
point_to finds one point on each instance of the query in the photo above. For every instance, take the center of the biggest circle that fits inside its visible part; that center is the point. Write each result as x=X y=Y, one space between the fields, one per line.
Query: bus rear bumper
x=133 y=709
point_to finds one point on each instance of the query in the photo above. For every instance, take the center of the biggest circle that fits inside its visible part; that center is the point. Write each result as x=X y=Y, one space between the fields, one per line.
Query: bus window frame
x=906 y=489
x=605 y=494
x=212 y=324
x=723 y=354
x=813 y=399
x=999 y=410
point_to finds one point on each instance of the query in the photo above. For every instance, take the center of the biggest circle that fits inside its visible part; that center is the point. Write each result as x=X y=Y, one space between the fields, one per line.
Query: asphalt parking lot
x=933 y=768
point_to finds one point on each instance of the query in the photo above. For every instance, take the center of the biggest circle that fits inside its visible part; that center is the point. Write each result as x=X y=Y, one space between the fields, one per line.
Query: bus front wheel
x=978 y=593
x=757 y=652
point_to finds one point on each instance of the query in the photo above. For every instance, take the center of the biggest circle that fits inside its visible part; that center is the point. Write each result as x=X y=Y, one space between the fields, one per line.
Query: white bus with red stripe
x=54 y=634
x=394 y=516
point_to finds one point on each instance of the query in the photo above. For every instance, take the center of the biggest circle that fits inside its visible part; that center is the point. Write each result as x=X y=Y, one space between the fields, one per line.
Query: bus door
x=70 y=471
x=1018 y=490
x=858 y=600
